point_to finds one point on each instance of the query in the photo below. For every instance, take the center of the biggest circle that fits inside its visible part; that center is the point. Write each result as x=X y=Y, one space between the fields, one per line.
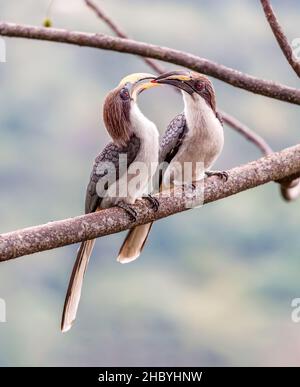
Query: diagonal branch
x=280 y=36
x=106 y=42
x=249 y=134
x=107 y=20
x=274 y=167
x=117 y=30
x=290 y=188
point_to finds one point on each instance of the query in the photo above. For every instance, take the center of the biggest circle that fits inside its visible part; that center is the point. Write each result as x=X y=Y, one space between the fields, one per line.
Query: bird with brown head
x=133 y=136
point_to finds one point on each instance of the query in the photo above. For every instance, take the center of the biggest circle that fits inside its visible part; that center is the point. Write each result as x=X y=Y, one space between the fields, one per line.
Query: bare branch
x=117 y=30
x=274 y=167
x=250 y=135
x=290 y=189
x=280 y=36
x=107 y=20
x=105 y=42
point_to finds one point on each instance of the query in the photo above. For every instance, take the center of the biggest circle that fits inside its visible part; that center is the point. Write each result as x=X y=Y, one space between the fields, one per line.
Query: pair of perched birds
x=196 y=135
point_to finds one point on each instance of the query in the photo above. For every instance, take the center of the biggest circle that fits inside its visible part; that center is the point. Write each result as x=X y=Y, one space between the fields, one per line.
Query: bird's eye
x=199 y=86
x=124 y=93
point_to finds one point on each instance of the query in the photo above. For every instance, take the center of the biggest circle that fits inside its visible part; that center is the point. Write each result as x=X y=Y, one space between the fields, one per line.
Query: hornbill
x=135 y=138
x=196 y=135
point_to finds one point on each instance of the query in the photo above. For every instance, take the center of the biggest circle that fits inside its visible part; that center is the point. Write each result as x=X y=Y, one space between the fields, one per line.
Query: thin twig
x=289 y=189
x=120 y=33
x=103 y=16
x=193 y=62
x=280 y=36
x=250 y=135
x=274 y=167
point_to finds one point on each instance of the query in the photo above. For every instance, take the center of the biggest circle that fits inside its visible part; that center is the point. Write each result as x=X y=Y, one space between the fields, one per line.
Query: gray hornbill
x=133 y=136
x=196 y=135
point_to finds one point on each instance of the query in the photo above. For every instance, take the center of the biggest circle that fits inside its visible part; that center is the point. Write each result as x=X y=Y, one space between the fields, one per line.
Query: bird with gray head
x=194 y=136
x=135 y=138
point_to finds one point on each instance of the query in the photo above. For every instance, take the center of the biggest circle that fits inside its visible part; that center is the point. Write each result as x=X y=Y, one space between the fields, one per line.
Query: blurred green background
x=214 y=286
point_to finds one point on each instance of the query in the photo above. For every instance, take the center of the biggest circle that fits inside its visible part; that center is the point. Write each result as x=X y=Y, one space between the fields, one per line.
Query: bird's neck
x=199 y=115
x=141 y=126
x=204 y=137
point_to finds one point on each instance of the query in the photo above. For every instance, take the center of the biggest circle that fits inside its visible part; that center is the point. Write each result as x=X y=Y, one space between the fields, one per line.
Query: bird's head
x=192 y=83
x=118 y=103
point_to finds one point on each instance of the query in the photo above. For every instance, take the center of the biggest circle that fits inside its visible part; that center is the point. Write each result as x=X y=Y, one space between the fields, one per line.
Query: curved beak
x=180 y=79
x=137 y=82
x=140 y=85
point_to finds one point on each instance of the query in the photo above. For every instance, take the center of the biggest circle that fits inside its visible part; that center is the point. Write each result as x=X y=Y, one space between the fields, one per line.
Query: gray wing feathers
x=172 y=138
x=107 y=167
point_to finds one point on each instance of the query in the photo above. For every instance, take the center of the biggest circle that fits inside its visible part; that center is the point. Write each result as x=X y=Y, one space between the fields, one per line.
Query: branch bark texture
x=280 y=36
x=274 y=167
x=102 y=15
x=289 y=189
x=193 y=62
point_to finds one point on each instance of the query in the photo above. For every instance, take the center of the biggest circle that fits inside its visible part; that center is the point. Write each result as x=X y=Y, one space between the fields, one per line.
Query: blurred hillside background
x=214 y=286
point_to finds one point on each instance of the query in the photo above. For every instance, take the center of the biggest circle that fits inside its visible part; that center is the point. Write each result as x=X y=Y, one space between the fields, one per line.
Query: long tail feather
x=134 y=243
x=75 y=285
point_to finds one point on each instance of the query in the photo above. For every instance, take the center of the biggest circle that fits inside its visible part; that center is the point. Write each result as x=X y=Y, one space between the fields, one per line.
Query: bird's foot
x=222 y=174
x=153 y=201
x=130 y=211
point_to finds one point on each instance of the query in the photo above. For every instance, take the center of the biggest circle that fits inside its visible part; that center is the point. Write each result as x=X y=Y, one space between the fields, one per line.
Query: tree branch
x=120 y=33
x=274 y=167
x=280 y=36
x=107 y=20
x=105 y=42
x=290 y=189
x=249 y=134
